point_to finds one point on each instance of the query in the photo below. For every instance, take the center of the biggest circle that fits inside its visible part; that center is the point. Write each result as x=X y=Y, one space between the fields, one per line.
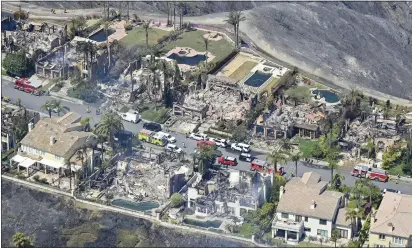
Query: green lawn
x=158 y=116
x=306 y=147
x=194 y=39
x=397 y=170
x=92 y=22
x=243 y=70
x=138 y=36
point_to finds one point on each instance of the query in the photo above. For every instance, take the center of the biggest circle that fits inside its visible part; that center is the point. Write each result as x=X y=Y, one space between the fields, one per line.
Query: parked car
x=205 y=143
x=169 y=137
x=173 y=148
x=227 y=161
x=219 y=142
x=246 y=157
x=198 y=136
x=152 y=126
x=240 y=147
x=391 y=190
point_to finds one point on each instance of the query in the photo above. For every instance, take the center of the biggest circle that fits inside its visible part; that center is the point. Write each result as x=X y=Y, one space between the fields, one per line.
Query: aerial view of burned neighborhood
x=206 y=124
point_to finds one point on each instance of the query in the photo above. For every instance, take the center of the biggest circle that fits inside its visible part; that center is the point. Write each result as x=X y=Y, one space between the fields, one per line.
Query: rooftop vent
x=313 y=205
x=52 y=140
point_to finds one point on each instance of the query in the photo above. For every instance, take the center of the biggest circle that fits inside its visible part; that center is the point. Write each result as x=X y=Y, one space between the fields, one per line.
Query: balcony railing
x=287 y=224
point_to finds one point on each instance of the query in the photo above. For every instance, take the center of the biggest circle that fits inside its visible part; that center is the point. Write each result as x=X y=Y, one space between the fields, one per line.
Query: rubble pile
x=287 y=115
x=33 y=41
x=142 y=182
x=222 y=103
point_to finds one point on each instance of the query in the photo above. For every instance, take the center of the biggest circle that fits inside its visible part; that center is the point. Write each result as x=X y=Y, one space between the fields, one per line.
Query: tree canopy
x=18 y=64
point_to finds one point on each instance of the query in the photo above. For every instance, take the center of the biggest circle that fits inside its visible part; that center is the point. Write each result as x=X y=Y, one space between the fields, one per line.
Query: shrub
x=20 y=15
x=176 y=200
x=128 y=26
x=44 y=180
x=6 y=154
x=17 y=64
x=36 y=178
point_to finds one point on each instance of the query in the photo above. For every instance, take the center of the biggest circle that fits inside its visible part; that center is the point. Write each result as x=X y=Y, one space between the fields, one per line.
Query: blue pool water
x=195 y=60
x=257 y=79
x=138 y=206
x=204 y=224
x=330 y=96
x=100 y=36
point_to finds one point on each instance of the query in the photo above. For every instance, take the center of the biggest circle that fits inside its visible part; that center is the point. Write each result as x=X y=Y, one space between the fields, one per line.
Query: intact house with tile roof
x=306 y=208
x=51 y=144
x=391 y=225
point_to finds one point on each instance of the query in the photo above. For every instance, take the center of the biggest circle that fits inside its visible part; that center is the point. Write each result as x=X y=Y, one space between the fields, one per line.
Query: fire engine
x=24 y=84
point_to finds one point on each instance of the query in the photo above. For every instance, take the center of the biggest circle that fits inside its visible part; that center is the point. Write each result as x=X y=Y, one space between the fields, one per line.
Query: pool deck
x=189 y=52
x=323 y=100
x=119 y=31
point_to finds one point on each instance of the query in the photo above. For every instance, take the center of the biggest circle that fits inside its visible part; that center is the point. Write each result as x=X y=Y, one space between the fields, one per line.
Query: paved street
x=35 y=103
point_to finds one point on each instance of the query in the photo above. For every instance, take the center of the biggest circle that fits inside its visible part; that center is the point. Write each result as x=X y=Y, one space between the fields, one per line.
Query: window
x=306 y=219
x=323 y=233
x=298 y=218
x=379 y=246
x=307 y=229
x=397 y=240
x=322 y=222
x=285 y=215
x=56 y=157
x=343 y=233
x=382 y=236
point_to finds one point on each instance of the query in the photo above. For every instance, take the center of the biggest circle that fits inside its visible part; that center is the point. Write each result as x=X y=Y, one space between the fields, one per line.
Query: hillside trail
x=43 y=13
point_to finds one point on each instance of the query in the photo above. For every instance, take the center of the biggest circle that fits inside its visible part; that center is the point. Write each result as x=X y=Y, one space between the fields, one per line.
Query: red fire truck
x=377 y=175
x=359 y=171
x=260 y=165
x=24 y=84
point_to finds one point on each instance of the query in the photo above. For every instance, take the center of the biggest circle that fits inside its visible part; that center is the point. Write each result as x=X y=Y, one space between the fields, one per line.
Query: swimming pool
x=204 y=224
x=195 y=60
x=329 y=95
x=257 y=79
x=138 y=206
x=100 y=35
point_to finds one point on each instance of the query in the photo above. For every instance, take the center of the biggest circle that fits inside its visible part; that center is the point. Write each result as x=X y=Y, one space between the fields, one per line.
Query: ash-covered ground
x=56 y=222
x=360 y=44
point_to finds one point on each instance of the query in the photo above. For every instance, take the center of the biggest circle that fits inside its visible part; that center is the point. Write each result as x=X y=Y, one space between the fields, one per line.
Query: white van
x=169 y=137
x=132 y=116
x=244 y=146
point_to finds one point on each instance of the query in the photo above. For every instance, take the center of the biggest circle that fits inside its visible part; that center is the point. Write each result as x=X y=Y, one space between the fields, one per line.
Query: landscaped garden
x=194 y=39
x=138 y=36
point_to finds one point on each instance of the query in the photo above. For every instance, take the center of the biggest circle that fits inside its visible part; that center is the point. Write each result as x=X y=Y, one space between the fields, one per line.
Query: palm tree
x=337 y=180
x=20 y=241
x=332 y=165
x=101 y=140
x=167 y=73
x=234 y=19
x=277 y=157
x=86 y=123
x=352 y=214
x=106 y=28
x=285 y=144
x=58 y=107
x=370 y=146
x=109 y=125
x=146 y=27
x=296 y=158
x=206 y=42
x=47 y=106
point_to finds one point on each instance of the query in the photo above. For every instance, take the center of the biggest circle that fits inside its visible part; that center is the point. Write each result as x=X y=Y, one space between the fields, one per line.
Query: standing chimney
x=30 y=126
x=281 y=191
